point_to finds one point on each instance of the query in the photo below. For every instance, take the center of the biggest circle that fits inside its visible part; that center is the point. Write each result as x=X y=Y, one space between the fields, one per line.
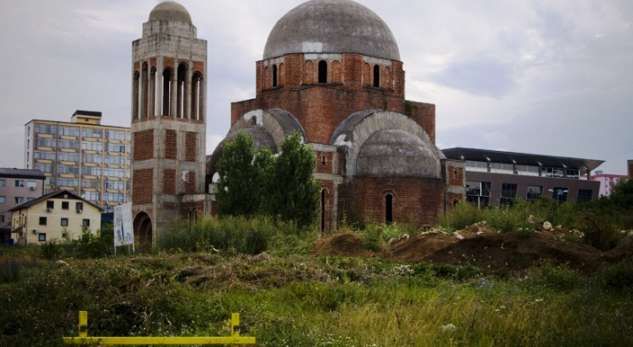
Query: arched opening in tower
x=152 y=92
x=274 y=76
x=180 y=98
x=167 y=76
x=388 y=208
x=137 y=77
x=322 y=71
x=143 y=232
x=196 y=96
x=144 y=91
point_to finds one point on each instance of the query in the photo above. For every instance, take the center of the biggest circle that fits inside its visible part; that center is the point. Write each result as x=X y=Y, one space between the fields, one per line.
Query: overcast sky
x=547 y=77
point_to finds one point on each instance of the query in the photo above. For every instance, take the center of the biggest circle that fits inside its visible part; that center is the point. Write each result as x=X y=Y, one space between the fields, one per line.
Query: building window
x=85 y=223
x=43 y=221
x=2 y=218
x=19 y=183
x=3 y=183
x=50 y=204
x=65 y=205
x=19 y=200
x=388 y=208
x=64 y=222
x=478 y=193
x=376 y=76
x=584 y=195
x=3 y=199
x=534 y=193
x=322 y=71
x=79 y=207
x=41 y=237
x=508 y=194
x=274 y=76
x=559 y=194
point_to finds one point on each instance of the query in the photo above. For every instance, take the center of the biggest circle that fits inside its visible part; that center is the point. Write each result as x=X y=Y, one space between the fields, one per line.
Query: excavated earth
x=481 y=247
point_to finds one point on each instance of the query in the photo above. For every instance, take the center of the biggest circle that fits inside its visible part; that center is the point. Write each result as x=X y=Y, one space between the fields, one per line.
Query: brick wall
x=455 y=176
x=320 y=108
x=169 y=181
x=190 y=184
x=143 y=145
x=142 y=181
x=323 y=162
x=190 y=146
x=171 y=144
x=416 y=201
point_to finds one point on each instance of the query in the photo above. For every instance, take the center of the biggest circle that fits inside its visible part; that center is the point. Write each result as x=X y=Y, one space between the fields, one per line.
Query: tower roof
x=170 y=11
x=332 y=26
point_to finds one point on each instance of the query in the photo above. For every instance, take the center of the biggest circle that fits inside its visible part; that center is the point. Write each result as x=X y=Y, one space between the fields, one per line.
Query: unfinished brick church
x=331 y=71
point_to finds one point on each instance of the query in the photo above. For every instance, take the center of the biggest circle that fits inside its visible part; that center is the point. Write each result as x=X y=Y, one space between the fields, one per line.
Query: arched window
x=274 y=76
x=322 y=210
x=152 y=92
x=376 y=76
x=196 y=96
x=167 y=83
x=135 y=95
x=144 y=91
x=389 y=208
x=180 y=96
x=322 y=71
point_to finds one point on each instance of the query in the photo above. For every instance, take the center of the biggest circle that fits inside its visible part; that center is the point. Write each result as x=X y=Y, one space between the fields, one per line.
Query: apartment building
x=498 y=178
x=54 y=217
x=82 y=156
x=17 y=186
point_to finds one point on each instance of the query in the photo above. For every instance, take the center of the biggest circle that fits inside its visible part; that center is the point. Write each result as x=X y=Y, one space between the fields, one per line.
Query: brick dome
x=170 y=11
x=332 y=26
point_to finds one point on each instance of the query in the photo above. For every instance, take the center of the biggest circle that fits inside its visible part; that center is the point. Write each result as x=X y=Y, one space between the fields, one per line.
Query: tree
x=239 y=189
x=294 y=194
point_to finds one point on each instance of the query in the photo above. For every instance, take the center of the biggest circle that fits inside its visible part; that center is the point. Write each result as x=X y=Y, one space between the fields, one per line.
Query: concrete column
x=158 y=103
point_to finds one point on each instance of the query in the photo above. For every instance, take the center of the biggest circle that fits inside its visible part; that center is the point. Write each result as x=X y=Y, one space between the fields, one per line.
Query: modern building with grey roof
x=17 y=186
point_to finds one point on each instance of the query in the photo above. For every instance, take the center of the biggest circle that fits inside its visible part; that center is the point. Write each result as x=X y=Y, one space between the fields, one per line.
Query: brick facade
x=169 y=181
x=416 y=201
x=190 y=146
x=171 y=144
x=190 y=183
x=142 y=184
x=143 y=144
x=320 y=108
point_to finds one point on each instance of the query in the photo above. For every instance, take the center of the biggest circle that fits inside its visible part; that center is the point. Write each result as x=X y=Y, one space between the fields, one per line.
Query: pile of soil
x=343 y=244
x=479 y=246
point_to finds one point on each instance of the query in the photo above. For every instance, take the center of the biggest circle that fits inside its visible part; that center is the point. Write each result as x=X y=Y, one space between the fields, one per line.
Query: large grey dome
x=170 y=11
x=332 y=26
x=397 y=153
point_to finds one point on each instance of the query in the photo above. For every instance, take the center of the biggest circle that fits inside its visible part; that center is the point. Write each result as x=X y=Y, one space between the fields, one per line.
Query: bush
x=556 y=277
x=618 y=276
x=461 y=216
x=232 y=234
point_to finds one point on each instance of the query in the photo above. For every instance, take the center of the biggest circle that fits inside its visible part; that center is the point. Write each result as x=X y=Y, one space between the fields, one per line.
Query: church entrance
x=142 y=232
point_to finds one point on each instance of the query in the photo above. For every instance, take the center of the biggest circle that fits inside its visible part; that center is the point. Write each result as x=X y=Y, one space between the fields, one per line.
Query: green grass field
x=304 y=300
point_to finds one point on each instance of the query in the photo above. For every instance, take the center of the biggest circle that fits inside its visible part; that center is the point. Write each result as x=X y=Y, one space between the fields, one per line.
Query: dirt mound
x=490 y=251
x=514 y=251
x=343 y=244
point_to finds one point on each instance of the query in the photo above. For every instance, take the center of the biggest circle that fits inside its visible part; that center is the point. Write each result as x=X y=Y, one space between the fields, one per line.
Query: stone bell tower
x=169 y=70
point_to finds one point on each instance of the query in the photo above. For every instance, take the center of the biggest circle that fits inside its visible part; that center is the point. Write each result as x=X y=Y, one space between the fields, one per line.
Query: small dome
x=397 y=153
x=332 y=26
x=170 y=11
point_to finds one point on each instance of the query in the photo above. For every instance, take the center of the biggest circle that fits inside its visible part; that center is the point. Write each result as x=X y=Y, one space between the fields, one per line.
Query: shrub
x=556 y=277
x=461 y=216
x=618 y=276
